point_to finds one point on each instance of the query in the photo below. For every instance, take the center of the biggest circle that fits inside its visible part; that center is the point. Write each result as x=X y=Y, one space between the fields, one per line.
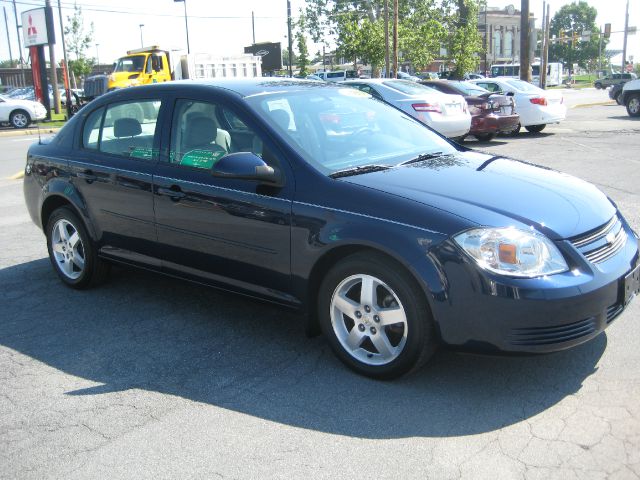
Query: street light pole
x=186 y=22
x=624 y=45
x=97 y=54
x=290 y=39
x=141 y=42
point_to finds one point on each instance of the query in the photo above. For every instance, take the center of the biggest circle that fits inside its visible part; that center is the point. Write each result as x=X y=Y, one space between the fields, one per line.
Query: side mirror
x=245 y=166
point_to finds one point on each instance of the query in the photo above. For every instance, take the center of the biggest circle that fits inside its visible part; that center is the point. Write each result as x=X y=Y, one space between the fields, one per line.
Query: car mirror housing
x=245 y=166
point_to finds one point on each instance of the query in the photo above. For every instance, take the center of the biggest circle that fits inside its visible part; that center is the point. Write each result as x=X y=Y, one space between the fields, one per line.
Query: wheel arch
x=56 y=200
x=333 y=256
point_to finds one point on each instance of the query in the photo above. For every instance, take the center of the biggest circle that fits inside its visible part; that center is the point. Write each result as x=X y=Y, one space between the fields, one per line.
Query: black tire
x=618 y=98
x=535 y=128
x=67 y=253
x=598 y=85
x=19 y=119
x=415 y=339
x=485 y=137
x=633 y=104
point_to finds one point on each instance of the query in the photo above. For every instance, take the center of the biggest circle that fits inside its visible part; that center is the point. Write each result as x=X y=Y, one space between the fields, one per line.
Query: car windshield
x=409 y=87
x=469 y=88
x=134 y=63
x=340 y=128
x=523 y=86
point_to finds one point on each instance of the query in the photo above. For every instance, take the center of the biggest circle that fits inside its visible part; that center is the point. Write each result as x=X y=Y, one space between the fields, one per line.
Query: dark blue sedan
x=389 y=238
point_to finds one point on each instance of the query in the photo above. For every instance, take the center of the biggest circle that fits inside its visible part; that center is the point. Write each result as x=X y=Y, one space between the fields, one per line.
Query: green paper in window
x=201 y=158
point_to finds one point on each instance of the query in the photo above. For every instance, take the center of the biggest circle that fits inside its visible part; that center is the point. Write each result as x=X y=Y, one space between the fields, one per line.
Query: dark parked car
x=389 y=237
x=614 y=79
x=491 y=113
x=615 y=93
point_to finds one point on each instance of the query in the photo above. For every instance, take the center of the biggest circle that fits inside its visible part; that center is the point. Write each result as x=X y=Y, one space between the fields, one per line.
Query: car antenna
x=38 y=128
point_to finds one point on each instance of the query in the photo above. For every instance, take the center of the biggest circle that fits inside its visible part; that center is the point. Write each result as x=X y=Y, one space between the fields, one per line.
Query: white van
x=338 y=75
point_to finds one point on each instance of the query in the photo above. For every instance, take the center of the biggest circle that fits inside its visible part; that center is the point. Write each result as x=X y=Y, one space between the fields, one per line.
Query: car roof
x=244 y=87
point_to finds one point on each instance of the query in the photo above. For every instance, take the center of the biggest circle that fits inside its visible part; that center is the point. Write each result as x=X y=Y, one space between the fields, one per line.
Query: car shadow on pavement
x=625 y=117
x=143 y=331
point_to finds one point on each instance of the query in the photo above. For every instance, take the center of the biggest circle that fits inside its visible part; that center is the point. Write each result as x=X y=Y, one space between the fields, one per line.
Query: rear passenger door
x=112 y=170
x=227 y=231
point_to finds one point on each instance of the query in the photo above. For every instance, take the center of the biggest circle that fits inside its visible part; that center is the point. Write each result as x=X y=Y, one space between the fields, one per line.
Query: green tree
x=575 y=18
x=358 y=28
x=8 y=63
x=463 y=42
x=78 y=41
x=301 y=42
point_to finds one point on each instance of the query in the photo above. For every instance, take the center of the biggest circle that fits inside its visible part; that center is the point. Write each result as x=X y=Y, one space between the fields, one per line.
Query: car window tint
x=199 y=138
x=128 y=129
x=91 y=130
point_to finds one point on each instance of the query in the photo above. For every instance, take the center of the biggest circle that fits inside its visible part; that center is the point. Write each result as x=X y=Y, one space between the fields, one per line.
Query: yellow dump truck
x=155 y=65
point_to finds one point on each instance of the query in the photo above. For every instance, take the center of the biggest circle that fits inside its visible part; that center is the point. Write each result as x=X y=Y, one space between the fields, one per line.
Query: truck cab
x=140 y=67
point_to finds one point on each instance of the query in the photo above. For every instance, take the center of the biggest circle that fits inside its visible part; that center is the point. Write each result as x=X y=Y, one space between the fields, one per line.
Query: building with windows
x=500 y=31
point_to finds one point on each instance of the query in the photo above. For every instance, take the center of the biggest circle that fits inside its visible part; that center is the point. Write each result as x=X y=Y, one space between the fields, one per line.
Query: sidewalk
x=13 y=132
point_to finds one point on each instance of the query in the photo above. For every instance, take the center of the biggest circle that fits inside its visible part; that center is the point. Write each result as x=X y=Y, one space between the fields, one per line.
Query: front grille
x=602 y=243
x=556 y=334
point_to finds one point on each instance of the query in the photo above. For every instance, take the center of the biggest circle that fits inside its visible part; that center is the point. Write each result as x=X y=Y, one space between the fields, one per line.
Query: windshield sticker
x=201 y=158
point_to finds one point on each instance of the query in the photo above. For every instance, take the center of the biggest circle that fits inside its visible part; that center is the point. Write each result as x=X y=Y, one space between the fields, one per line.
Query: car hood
x=497 y=191
x=25 y=103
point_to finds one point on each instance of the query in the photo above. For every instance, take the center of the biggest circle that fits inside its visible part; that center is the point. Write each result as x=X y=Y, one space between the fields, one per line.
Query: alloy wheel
x=368 y=319
x=68 y=249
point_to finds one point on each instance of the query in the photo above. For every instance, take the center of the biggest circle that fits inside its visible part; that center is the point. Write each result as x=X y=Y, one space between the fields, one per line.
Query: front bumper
x=491 y=313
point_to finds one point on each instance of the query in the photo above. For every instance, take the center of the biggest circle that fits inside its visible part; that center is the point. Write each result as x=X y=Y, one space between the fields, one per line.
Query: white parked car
x=537 y=108
x=446 y=114
x=20 y=113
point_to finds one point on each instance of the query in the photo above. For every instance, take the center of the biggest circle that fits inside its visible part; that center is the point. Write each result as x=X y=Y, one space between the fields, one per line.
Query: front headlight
x=512 y=252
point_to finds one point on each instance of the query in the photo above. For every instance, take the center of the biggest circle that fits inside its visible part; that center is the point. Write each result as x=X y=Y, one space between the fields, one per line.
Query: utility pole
x=525 y=60
x=253 y=27
x=545 y=49
x=65 y=63
x=599 y=50
x=290 y=39
x=624 y=45
x=141 y=41
x=52 y=65
x=15 y=14
x=395 y=39
x=6 y=26
x=386 y=38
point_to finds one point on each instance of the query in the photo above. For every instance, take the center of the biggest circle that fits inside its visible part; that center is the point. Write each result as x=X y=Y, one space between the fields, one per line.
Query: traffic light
x=561 y=36
x=574 y=40
x=607 y=30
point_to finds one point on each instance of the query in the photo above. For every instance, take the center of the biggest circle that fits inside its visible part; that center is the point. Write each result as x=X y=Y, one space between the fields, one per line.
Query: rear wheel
x=598 y=85
x=618 y=98
x=535 y=128
x=71 y=251
x=485 y=137
x=20 y=119
x=515 y=131
x=375 y=317
x=633 y=105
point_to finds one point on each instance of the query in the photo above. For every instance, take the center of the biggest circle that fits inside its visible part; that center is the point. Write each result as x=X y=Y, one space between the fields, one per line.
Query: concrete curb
x=17 y=176
x=594 y=104
x=29 y=132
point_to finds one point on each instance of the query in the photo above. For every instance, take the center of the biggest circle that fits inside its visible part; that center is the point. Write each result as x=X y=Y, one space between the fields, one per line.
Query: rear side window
x=124 y=129
x=91 y=131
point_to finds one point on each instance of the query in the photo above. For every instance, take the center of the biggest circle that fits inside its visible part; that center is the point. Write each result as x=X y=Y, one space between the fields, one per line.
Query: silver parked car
x=446 y=114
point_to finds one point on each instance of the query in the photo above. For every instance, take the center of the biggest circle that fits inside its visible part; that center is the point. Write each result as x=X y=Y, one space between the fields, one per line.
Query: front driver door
x=227 y=231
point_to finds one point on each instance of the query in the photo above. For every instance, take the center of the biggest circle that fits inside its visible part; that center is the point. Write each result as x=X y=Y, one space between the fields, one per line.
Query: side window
x=202 y=133
x=128 y=129
x=91 y=130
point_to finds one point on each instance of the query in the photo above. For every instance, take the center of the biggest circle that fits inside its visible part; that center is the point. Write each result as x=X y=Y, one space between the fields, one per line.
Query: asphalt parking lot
x=150 y=377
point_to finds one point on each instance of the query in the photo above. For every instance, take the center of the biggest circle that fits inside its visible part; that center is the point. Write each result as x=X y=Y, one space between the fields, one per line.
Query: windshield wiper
x=421 y=158
x=359 y=170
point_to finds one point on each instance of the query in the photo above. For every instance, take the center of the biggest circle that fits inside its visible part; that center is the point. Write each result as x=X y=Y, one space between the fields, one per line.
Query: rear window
x=408 y=87
x=470 y=88
x=523 y=86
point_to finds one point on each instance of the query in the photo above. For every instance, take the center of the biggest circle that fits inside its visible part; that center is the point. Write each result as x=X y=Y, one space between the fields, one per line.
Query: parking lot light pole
x=186 y=22
x=141 y=42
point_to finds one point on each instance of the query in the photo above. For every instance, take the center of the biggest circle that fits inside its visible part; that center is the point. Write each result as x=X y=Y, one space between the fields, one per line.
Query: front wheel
x=375 y=317
x=598 y=86
x=633 y=105
x=515 y=131
x=535 y=128
x=20 y=119
x=71 y=251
